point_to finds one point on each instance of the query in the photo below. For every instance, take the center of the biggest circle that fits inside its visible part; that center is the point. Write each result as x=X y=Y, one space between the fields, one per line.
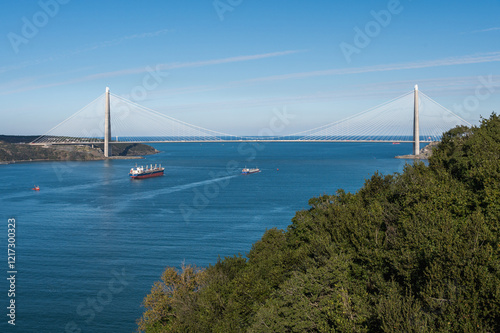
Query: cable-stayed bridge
x=412 y=117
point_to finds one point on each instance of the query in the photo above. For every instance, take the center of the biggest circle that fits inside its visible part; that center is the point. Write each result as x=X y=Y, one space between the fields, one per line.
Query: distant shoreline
x=425 y=153
x=46 y=160
x=13 y=149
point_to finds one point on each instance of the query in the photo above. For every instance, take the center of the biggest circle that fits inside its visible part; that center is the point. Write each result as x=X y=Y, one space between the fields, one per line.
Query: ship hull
x=249 y=172
x=147 y=175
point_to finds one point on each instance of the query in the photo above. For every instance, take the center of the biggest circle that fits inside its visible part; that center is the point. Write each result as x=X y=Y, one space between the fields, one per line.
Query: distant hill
x=18 y=138
x=13 y=149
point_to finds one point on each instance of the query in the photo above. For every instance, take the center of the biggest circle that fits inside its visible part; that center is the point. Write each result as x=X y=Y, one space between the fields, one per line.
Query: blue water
x=92 y=242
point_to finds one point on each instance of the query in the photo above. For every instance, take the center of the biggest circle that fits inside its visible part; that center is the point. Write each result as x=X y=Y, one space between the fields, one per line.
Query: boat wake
x=150 y=194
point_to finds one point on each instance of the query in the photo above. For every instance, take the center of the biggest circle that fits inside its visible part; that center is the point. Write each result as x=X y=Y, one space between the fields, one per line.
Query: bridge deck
x=223 y=141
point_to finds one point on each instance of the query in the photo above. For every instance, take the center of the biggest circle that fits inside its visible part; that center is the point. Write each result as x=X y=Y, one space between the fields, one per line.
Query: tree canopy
x=410 y=252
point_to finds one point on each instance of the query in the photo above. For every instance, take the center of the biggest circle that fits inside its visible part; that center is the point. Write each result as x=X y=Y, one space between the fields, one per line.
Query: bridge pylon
x=107 y=126
x=416 y=129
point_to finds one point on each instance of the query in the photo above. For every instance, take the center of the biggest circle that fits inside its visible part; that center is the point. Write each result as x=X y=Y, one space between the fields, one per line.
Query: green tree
x=415 y=252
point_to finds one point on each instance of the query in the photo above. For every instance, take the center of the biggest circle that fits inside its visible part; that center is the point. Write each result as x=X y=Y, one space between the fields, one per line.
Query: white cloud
x=484 y=30
x=452 y=61
x=170 y=66
x=166 y=66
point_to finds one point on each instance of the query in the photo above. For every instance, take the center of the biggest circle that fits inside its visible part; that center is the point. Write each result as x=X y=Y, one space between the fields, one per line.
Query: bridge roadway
x=223 y=141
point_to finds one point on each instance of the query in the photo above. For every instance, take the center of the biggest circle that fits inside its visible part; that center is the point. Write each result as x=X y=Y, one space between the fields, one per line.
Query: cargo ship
x=247 y=171
x=146 y=172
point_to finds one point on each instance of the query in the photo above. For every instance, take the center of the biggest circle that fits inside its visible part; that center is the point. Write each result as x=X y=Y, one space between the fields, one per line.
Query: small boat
x=36 y=188
x=146 y=172
x=247 y=171
x=395 y=143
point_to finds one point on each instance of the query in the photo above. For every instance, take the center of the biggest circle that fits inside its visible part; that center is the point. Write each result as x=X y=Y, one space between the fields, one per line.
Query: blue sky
x=228 y=65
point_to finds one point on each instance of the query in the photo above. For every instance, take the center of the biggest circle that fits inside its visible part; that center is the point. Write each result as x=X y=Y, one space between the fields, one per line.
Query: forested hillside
x=411 y=252
x=11 y=152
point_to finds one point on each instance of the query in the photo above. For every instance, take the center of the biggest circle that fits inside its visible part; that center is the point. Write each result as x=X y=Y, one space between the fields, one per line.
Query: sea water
x=90 y=244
